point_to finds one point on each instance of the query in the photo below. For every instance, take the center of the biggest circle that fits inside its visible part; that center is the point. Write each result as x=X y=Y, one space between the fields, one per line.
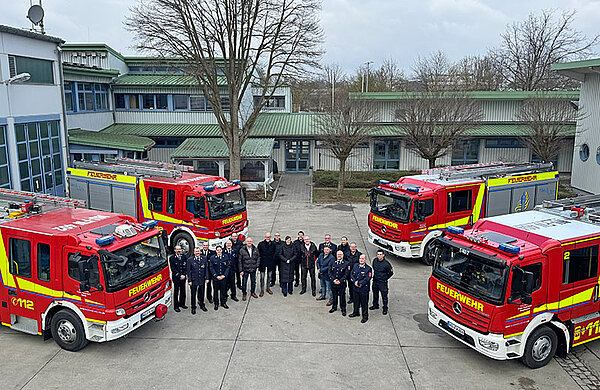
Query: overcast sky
x=356 y=30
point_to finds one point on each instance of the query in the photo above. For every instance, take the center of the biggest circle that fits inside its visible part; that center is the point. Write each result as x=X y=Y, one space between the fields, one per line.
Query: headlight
x=432 y=313
x=487 y=344
x=120 y=312
x=217 y=234
x=120 y=328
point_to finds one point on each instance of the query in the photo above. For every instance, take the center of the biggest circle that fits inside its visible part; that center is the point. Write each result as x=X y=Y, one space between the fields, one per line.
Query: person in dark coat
x=344 y=246
x=287 y=257
x=308 y=256
x=178 y=263
x=323 y=263
x=361 y=278
x=236 y=245
x=248 y=262
x=219 y=269
x=266 y=249
x=327 y=243
x=352 y=257
x=298 y=244
x=233 y=260
x=208 y=254
x=278 y=243
x=197 y=273
x=382 y=272
x=339 y=271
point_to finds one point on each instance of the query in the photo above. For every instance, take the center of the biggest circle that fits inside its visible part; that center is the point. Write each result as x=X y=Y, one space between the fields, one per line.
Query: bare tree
x=432 y=72
x=227 y=45
x=345 y=128
x=434 y=122
x=335 y=76
x=477 y=73
x=387 y=78
x=530 y=47
x=548 y=121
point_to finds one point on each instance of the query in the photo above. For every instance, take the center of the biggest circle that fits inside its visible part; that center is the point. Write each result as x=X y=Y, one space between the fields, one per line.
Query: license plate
x=147 y=313
x=456 y=328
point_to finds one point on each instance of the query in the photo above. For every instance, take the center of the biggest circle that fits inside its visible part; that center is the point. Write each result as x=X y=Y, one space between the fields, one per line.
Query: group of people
x=220 y=273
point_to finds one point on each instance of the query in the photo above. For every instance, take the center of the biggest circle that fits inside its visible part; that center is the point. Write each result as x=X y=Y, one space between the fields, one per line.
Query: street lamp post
x=368 y=63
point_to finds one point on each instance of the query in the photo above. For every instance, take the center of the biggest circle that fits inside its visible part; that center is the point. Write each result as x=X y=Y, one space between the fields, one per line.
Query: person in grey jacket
x=248 y=262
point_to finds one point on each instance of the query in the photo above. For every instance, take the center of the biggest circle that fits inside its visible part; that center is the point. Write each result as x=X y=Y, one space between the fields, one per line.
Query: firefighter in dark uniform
x=382 y=272
x=339 y=271
x=207 y=253
x=233 y=259
x=197 y=272
x=352 y=258
x=236 y=245
x=220 y=269
x=178 y=263
x=361 y=278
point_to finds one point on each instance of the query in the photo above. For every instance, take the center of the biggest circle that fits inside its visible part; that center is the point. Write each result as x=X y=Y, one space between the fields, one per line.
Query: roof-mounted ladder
x=15 y=204
x=585 y=207
x=135 y=170
x=149 y=164
x=493 y=169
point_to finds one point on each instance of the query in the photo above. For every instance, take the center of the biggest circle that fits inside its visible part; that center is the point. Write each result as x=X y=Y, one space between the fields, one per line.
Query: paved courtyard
x=291 y=343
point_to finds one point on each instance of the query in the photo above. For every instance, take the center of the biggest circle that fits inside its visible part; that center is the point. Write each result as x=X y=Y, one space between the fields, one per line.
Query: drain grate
x=579 y=371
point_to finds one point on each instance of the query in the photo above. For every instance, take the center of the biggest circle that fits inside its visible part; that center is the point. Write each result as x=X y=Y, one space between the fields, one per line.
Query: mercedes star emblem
x=457 y=307
x=383 y=229
x=147 y=297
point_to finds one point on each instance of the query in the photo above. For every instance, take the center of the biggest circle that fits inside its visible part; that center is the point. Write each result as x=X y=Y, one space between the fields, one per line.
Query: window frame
x=11 y=240
x=386 y=160
x=38 y=262
x=152 y=204
x=568 y=261
x=33 y=76
x=450 y=201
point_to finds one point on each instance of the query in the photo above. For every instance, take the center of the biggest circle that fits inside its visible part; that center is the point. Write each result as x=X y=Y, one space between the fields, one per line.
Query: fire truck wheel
x=67 y=331
x=430 y=252
x=185 y=242
x=540 y=347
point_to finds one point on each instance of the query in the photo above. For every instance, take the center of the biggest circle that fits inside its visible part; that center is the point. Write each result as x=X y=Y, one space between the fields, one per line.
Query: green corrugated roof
x=576 y=64
x=487 y=130
x=80 y=70
x=111 y=141
x=483 y=95
x=164 y=130
x=285 y=125
x=166 y=80
x=216 y=148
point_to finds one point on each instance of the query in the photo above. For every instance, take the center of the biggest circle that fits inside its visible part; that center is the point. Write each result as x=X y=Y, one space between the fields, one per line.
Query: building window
x=584 y=152
x=508 y=142
x=252 y=171
x=271 y=103
x=167 y=142
x=4 y=168
x=207 y=167
x=101 y=93
x=154 y=102
x=120 y=101
x=386 y=155
x=40 y=70
x=91 y=97
x=39 y=155
x=70 y=105
x=133 y=102
x=320 y=144
x=225 y=103
x=181 y=102
x=466 y=152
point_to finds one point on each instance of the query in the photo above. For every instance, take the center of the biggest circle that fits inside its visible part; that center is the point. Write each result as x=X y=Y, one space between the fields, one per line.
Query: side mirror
x=528 y=282
x=165 y=237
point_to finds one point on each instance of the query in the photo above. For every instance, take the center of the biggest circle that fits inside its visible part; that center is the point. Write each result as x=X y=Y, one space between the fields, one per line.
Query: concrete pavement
x=293 y=342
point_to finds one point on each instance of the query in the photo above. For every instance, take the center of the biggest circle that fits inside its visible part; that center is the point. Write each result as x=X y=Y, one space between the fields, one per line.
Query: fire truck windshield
x=394 y=207
x=471 y=273
x=143 y=259
x=225 y=204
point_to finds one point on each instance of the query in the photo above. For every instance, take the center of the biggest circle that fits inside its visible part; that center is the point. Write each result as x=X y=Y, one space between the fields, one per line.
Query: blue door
x=297 y=156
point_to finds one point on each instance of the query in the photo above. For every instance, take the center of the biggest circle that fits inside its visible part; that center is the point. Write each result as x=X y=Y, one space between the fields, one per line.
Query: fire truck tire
x=186 y=242
x=540 y=347
x=429 y=252
x=67 y=331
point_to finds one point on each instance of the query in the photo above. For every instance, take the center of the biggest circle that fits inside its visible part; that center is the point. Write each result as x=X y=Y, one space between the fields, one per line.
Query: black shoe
x=363 y=320
x=296 y=284
x=352 y=315
x=374 y=307
x=314 y=294
x=183 y=307
x=291 y=292
x=235 y=299
x=303 y=292
x=332 y=310
x=225 y=306
x=385 y=310
x=350 y=301
x=285 y=295
x=193 y=310
x=216 y=307
x=203 y=308
x=344 y=313
x=177 y=309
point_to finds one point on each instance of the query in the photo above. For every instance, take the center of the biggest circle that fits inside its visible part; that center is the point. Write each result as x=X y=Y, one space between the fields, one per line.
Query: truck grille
x=390 y=233
x=136 y=304
x=232 y=227
x=468 y=317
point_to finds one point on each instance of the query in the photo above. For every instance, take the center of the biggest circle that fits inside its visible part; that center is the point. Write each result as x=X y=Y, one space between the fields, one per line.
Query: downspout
x=67 y=155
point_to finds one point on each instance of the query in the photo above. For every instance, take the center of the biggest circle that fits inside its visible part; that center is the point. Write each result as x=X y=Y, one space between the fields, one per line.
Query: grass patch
x=565 y=191
x=349 y=195
x=357 y=179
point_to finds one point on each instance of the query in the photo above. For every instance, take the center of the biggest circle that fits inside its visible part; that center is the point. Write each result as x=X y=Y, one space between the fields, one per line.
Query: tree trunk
x=431 y=162
x=341 y=177
x=235 y=157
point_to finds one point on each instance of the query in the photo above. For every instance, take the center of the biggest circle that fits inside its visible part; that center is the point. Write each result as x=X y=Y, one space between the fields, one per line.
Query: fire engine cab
x=408 y=215
x=78 y=275
x=189 y=207
x=521 y=285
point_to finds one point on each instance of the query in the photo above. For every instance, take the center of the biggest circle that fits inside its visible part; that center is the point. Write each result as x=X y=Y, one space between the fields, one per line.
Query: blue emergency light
x=235 y=182
x=509 y=248
x=106 y=240
x=149 y=224
x=414 y=190
x=384 y=182
x=455 y=230
x=209 y=188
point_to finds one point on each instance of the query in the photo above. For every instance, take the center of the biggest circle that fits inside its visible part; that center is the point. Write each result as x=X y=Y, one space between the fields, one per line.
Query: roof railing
x=125 y=168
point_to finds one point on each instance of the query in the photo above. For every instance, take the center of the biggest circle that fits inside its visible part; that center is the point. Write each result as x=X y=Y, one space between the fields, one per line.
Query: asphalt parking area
x=289 y=342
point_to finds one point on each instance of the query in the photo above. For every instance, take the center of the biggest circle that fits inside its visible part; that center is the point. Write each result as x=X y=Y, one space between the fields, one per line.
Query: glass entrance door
x=297 y=156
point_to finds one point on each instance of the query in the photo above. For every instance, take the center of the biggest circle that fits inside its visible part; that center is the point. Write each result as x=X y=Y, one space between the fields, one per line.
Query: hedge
x=357 y=179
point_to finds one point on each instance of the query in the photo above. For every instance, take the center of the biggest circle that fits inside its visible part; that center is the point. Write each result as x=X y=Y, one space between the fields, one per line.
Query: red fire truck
x=190 y=207
x=407 y=216
x=522 y=285
x=75 y=274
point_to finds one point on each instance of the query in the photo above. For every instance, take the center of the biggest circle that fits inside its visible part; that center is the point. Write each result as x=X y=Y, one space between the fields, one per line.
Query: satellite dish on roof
x=35 y=14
